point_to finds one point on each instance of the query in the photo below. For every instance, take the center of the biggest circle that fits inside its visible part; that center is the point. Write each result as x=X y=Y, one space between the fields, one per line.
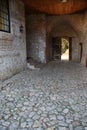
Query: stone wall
x=36 y=36
x=13 y=45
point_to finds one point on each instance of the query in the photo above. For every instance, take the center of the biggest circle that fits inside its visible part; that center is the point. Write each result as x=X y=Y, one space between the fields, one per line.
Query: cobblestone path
x=53 y=98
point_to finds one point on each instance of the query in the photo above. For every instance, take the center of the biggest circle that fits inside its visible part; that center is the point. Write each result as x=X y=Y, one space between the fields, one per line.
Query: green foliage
x=64 y=46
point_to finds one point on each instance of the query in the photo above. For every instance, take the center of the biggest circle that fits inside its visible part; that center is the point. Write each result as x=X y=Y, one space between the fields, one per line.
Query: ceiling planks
x=55 y=6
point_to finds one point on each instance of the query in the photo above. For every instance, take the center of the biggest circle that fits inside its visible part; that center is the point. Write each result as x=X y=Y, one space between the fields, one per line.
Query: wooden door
x=56 y=48
x=70 y=48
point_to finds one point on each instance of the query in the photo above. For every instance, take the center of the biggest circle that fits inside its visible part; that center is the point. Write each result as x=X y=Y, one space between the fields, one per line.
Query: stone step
x=29 y=66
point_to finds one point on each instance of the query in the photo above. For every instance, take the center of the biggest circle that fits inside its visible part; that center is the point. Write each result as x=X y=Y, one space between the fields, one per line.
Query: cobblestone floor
x=53 y=98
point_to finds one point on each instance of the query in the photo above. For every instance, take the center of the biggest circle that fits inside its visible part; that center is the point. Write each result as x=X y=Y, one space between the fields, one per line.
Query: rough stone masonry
x=13 y=45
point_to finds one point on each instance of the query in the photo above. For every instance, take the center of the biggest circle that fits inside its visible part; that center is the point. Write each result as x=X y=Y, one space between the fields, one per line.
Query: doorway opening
x=62 y=48
x=65 y=49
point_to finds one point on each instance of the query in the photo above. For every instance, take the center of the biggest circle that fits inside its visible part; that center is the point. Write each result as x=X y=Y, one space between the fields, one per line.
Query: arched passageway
x=70 y=26
x=55 y=96
x=63 y=30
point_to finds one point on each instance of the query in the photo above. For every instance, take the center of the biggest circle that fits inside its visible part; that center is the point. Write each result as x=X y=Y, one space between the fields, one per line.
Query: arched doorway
x=53 y=47
x=61 y=48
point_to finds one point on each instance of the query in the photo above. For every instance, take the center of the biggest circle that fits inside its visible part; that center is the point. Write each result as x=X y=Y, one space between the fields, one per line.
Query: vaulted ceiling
x=55 y=6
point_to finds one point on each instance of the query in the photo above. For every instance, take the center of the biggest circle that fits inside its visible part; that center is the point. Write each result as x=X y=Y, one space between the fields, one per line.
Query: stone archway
x=64 y=30
x=77 y=23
